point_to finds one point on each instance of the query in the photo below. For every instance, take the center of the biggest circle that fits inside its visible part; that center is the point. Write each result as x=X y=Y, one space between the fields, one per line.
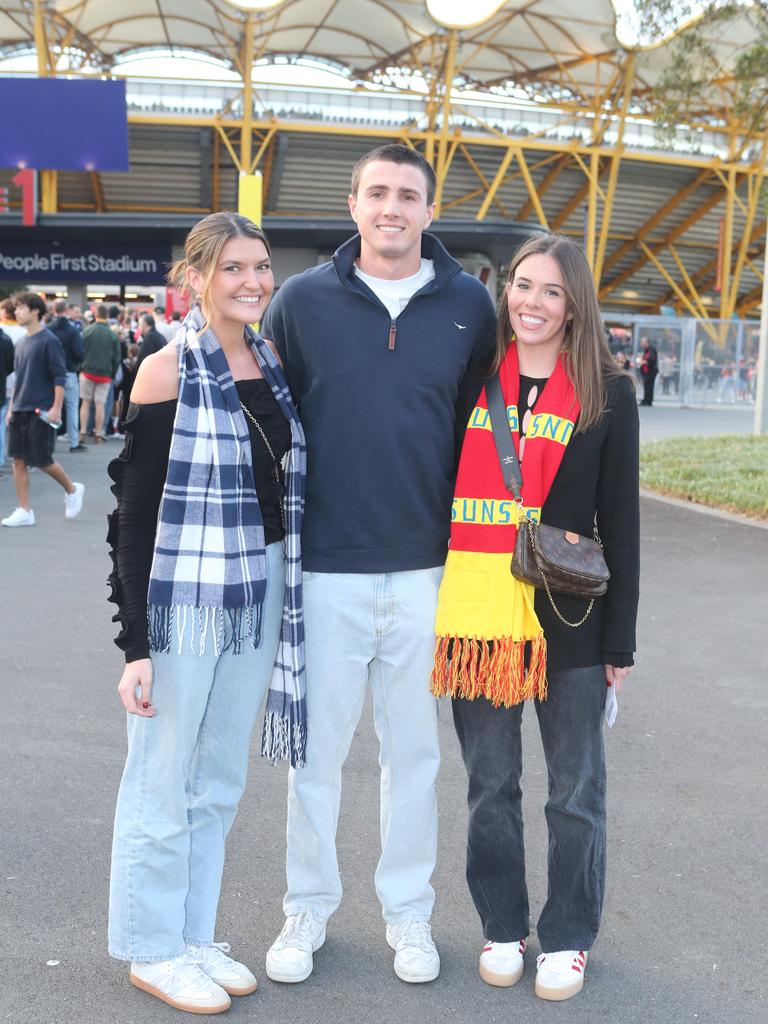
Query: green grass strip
x=728 y=472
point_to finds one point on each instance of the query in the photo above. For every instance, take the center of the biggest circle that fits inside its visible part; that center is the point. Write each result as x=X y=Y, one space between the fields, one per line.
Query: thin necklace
x=256 y=424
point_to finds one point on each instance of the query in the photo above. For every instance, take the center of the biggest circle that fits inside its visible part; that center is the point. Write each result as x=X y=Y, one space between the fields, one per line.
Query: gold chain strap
x=573 y=625
x=256 y=424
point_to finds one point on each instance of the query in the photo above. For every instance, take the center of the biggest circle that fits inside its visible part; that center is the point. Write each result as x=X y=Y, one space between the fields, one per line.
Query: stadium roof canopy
x=539 y=110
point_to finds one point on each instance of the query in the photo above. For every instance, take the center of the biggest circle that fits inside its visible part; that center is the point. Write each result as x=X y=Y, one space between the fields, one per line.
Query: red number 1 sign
x=27 y=182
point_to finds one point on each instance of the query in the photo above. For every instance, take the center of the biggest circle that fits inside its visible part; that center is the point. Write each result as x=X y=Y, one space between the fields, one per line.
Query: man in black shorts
x=40 y=376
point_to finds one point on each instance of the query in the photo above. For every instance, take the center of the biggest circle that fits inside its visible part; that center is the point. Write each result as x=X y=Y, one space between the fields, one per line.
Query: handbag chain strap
x=513 y=478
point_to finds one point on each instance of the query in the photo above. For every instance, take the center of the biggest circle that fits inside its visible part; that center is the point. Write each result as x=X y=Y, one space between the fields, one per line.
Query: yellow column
x=246 y=132
x=594 y=168
x=48 y=179
x=249 y=196
x=442 y=149
x=725 y=278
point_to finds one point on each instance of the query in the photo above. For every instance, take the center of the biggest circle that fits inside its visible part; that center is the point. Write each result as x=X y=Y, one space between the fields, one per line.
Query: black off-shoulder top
x=138 y=475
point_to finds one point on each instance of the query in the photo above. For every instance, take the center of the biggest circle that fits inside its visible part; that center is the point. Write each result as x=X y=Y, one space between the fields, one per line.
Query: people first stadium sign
x=49 y=263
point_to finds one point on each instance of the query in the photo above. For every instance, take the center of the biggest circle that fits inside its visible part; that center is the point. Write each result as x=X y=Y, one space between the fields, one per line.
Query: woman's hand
x=135 y=688
x=615 y=676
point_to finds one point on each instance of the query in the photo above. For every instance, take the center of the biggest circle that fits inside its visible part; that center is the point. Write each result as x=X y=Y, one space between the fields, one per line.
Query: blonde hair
x=202 y=249
x=589 y=364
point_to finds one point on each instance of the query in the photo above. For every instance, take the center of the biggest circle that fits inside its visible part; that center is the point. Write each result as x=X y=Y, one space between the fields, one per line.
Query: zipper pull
x=392 y=335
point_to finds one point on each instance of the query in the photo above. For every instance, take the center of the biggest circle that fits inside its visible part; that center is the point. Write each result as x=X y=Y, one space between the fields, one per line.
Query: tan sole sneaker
x=492 y=959
x=563 y=978
x=179 y=1004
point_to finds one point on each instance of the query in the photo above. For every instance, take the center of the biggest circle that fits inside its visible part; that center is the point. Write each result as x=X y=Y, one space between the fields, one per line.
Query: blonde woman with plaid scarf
x=207 y=579
x=574 y=423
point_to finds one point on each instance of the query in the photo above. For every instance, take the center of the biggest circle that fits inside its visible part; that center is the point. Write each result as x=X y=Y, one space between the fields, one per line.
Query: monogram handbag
x=547 y=557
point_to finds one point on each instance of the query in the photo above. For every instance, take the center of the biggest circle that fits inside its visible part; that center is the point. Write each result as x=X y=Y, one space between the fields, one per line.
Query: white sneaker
x=290 y=957
x=501 y=963
x=560 y=975
x=20 y=517
x=74 y=502
x=181 y=984
x=416 y=956
x=233 y=977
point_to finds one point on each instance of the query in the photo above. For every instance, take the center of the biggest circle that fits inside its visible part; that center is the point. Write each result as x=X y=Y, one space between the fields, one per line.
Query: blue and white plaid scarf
x=209 y=566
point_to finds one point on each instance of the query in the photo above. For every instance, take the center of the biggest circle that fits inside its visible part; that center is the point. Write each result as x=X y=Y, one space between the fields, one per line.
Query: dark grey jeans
x=570 y=722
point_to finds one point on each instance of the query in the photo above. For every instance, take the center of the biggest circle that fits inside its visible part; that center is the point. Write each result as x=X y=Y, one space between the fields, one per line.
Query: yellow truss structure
x=567 y=67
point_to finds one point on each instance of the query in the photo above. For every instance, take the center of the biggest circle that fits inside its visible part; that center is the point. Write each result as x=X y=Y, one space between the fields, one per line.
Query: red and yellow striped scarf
x=484 y=615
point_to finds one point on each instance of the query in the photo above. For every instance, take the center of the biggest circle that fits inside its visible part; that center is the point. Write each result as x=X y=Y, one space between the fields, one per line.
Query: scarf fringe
x=283 y=740
x=229 y=628
x=472 y=667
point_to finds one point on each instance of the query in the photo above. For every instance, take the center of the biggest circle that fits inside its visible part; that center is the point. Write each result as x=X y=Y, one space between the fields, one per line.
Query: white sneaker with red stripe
x=560 y=975
x=501 y=963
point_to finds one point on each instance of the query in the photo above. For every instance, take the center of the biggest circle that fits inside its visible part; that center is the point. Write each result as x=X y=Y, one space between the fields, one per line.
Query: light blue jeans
x=362 y=629
x=72 y=405
x=183 y=778
x=3 y=410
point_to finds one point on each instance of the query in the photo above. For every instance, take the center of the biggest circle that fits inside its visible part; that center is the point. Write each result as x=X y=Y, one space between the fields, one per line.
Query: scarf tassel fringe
x=284 y=740
x=225 y=628
x=472 y=667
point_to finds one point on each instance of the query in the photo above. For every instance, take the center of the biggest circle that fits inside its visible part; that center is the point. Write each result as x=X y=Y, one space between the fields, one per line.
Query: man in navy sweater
x=40 y=377
x=380 y=346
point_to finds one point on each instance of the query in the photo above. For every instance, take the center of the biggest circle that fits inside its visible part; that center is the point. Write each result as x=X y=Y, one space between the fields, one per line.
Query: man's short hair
x=32 y=301
x=8 y=306
x=160 y=310
x=175 y=315
x=60 y=307
x=148 y=319
x=101 y=311
x=396 y=153
x=114 y=312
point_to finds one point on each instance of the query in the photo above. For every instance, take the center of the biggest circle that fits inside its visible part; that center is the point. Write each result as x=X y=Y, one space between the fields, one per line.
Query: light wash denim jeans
x=72 y=405
x=570 y=722
x=360 y=629
x=183 y=778
x=3 y=410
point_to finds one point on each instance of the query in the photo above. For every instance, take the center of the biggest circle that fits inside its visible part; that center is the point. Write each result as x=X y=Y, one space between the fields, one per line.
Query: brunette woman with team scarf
x=207 y=579
x=573 y=417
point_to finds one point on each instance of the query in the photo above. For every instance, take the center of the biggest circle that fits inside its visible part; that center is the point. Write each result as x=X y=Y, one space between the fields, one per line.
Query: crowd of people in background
x=65 y=371
x=100 y=367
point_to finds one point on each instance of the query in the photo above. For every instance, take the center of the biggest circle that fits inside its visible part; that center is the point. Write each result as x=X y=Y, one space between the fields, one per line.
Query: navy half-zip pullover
x=379 y=399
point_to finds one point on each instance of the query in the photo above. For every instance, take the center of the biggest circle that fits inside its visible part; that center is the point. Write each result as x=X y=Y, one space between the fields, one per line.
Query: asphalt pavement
x=682 y=938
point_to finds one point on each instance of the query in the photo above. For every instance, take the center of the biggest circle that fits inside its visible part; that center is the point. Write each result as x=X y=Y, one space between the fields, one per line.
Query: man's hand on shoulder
x=157 y=379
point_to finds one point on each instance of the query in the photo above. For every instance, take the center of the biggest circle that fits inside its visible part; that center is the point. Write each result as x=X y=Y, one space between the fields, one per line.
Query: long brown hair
x=590 y=364
x=203 y=246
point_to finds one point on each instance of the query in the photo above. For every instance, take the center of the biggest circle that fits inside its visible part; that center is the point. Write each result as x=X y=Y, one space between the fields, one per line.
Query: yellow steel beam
x=573 y=203
x=692 y=290
x=726 y=254
x=484 y=181
x=529 y=184
x=262 y=149
x=755 y=190
x=661 y=214
x=544 y=185
x=489 y=196
x=673 y=235
x=594 y=161
x=588 y=171
x=246 y=130
x=226 y=140
x=98 y=192
x=613 y=177
x=737 y=198
x=216 y=174
x=45 y=68
x=670 y=281
x=442 y=149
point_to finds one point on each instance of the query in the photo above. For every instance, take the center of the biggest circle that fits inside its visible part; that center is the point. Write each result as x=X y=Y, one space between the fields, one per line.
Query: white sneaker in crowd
x=74 y=502
x=233 y=977
x=181 y=984
x=501 y=963
x=20 y=517
x=560 y=975
x=289 y=958
x=416 y=956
